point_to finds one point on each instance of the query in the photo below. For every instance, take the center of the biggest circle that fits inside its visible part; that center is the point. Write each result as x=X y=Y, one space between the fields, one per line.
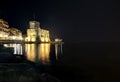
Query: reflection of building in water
x=15 y=34
x=35 y=32
x=7 y=33
x=30 y=52
x=43 y=52
x=17 y=48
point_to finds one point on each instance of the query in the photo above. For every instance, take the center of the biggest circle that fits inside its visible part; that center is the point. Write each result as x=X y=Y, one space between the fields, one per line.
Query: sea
x=77 y=62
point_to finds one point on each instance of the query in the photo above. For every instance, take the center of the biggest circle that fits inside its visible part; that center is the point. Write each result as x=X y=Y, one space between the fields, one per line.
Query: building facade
x=7 y=33
x=4 y=29
x=15 y=34
x=35 y=33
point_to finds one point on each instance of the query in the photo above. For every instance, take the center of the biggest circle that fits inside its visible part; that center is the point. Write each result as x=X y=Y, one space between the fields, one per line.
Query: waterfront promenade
x=25 y=42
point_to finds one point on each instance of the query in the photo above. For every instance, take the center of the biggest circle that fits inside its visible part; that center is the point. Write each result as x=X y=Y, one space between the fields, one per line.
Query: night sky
x=71 y=20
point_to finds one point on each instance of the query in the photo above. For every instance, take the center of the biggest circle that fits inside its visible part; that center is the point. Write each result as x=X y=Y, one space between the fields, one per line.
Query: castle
x=35 y=33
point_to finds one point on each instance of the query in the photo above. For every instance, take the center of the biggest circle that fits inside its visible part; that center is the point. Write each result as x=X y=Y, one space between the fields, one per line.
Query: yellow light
x=13 y=37
x=44 y=52
x=58 y=40
x=30 y=52
x=5 y=45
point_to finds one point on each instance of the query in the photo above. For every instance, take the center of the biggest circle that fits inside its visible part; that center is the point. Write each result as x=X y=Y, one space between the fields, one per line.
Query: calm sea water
x=44 y=53
x=81 y=62
x=93 y=61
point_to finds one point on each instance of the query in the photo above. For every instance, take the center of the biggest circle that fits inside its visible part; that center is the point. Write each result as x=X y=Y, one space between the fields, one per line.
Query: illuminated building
x=15 y=34
x=4 y=29
x=35 y=33
x=7 y=33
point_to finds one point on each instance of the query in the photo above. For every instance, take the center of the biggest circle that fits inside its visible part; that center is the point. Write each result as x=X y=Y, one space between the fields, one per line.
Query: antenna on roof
x=34 y=16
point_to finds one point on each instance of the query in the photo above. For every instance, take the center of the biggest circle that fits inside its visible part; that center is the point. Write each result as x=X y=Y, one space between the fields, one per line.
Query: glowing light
x=30 y=52
x=5 y=35
x=58 y=40
x=5 y=45
x=35 y=31
x=13 y=37
x=43 y=52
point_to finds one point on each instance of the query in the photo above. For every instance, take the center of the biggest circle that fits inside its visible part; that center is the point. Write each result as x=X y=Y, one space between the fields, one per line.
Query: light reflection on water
x=45 y=53
x=42 y=52
x=30 y=52
x=17 y=48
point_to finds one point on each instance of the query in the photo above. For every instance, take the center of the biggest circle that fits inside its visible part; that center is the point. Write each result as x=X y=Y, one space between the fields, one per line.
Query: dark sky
x=72 y=20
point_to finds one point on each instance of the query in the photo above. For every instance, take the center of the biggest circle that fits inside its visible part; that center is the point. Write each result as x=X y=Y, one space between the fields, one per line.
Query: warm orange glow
x=46 y=39
x=42 y=39
x=7 y=33
x=35 y=31
x=30 y=52
x=58 y=40
x=43 y=52
x=13 y=37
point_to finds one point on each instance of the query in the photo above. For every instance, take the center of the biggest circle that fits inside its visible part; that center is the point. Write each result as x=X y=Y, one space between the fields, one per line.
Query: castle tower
x=35 y=33
x=34 y=24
